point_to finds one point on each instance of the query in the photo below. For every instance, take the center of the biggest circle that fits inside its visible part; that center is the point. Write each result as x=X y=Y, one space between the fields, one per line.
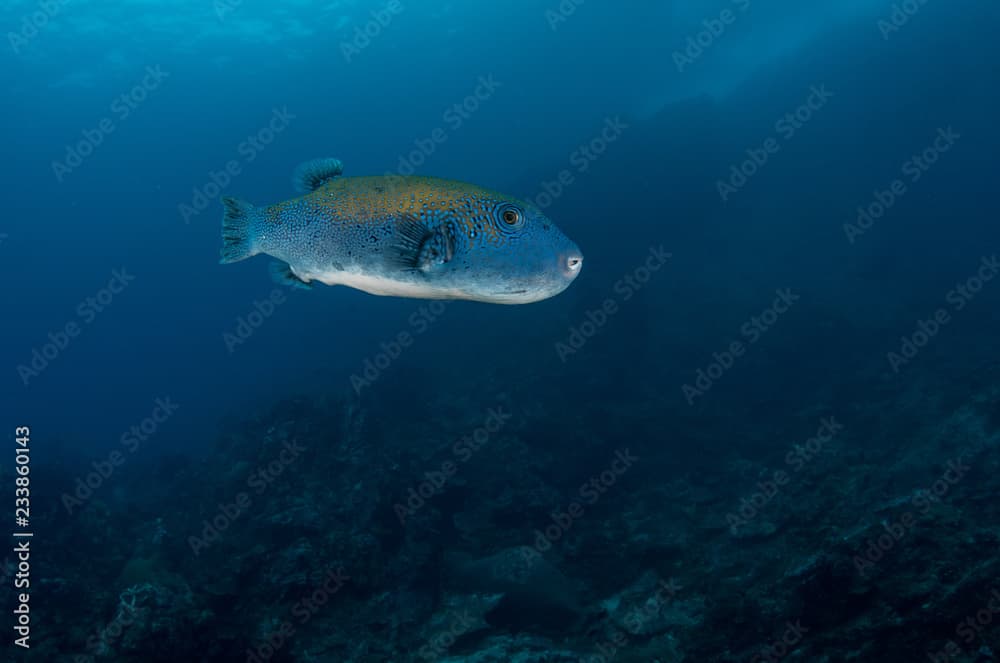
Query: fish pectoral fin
x=313 y=174
x=417 y=247
x=281 y=272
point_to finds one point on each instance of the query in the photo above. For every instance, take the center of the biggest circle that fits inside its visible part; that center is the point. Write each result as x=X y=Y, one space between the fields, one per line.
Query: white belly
x=378 y=285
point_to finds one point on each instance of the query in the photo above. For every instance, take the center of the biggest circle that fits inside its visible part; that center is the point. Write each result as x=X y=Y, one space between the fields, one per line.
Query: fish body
x=419 y=237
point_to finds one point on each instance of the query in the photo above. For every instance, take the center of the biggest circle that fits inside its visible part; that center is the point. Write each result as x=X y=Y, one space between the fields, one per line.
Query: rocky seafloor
x=501 y=526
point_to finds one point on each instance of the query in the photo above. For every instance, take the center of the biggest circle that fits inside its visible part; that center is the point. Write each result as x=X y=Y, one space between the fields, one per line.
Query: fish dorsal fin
x=418 y=247
x=313 y=174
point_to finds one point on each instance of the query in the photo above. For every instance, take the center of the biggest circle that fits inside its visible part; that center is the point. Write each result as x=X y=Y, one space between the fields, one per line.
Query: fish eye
x=509 y=217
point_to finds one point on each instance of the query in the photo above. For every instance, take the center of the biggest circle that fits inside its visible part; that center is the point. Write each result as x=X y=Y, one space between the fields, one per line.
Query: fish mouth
x=527 y=295
x=511 y=296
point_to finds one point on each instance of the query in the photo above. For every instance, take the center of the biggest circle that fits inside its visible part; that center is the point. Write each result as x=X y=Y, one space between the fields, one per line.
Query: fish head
x=509 y=252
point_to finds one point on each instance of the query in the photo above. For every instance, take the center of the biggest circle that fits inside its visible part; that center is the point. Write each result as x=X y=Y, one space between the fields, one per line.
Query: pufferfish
x=411 y=236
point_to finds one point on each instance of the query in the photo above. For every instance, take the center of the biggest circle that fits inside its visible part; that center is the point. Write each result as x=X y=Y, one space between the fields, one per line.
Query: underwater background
x=762 y=424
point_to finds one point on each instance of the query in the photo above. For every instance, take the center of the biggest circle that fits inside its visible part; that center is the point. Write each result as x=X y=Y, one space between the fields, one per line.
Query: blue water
x=821 y=176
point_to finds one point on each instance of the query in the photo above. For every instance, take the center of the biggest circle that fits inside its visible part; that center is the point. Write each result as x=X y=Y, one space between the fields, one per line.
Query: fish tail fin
x=237 y=234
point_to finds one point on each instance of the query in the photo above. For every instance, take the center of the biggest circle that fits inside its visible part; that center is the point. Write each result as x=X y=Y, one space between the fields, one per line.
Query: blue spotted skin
x=350 y=231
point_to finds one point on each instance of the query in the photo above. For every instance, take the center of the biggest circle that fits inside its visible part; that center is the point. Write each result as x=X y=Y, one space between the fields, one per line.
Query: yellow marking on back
x=374 y=199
